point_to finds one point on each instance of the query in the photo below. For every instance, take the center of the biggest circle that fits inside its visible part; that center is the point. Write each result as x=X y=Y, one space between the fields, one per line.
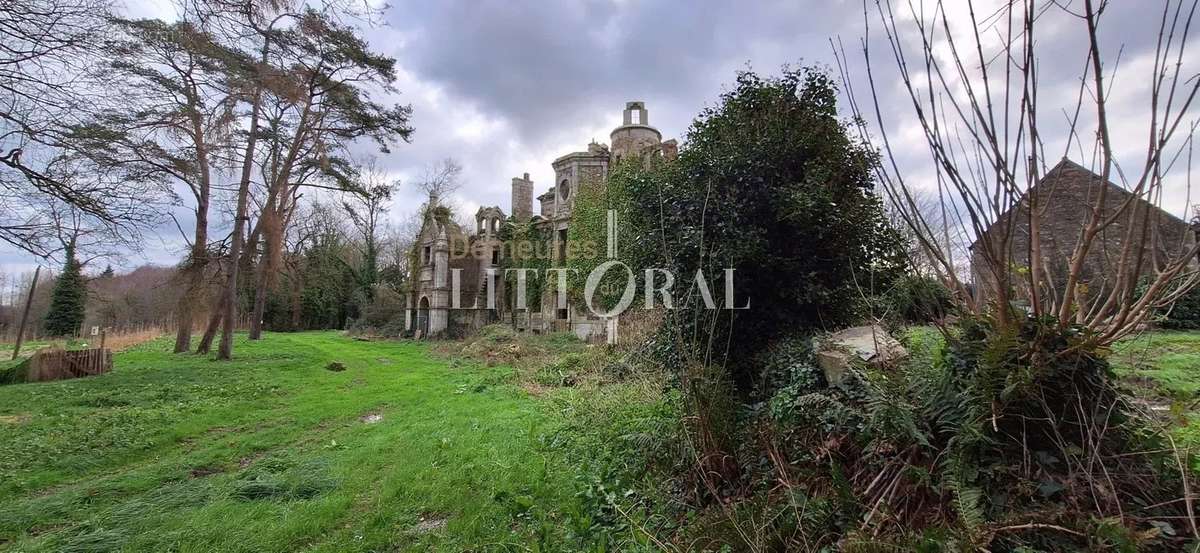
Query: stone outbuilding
x=1065 y=196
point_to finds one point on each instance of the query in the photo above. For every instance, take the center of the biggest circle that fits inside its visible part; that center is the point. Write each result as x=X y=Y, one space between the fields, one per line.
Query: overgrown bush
x=500 y=344
x=788 y=364
x=771 y=185
x=917 y=299
x=961 y=449
x=383 y=315
x=15 y=372
x=1184 y=314
x=561 y=372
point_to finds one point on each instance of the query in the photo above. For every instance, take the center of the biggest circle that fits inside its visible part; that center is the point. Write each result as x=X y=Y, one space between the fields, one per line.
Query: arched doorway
x=423 y=316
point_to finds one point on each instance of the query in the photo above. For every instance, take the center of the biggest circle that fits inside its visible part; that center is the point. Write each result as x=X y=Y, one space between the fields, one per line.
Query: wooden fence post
x=25 y=313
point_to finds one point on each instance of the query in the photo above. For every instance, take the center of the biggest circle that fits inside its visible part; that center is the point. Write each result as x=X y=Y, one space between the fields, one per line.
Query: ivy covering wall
x=587 y=237
x=525 y=247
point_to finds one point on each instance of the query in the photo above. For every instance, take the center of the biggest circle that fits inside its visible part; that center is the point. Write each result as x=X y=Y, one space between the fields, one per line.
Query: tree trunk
x=194 y=292
x=225 y=350
x=268 y=222
x=214 y=323
x=184 y=311
x=229 y=308
x=218 y=312
x=25 y=312
x=199 y=262
x=183 y=322
x=274 y=219
x=260 y=300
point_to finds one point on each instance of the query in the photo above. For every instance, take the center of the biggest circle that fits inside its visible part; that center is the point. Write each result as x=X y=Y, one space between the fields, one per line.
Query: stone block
x=834 y=364
x=870 y=344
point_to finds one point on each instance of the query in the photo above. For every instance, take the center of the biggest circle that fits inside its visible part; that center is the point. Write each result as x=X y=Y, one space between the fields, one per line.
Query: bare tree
x=394 y=252
x=974 y=85
x=366 y=206
x=50 y=81
x=948 y=237
x=93 y=241
x=441 y=179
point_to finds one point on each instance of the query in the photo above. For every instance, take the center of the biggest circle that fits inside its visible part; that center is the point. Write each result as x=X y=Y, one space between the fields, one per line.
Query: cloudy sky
x=506 y=86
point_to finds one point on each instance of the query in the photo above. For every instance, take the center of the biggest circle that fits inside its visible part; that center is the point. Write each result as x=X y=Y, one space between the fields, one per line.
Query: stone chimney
x=522 y=198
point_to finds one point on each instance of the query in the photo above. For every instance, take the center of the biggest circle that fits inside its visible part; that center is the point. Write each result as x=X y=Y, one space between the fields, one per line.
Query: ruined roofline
x=1056 y=174
x=584 y=155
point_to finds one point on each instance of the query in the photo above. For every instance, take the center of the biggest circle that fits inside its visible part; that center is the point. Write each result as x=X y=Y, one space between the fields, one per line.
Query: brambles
x=918 y=299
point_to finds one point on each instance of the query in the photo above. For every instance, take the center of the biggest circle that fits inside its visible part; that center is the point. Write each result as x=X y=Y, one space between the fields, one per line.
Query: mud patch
x=370 y=418
x=431 y=524
x=247 y=461
x=14 y=419
x=201 y=472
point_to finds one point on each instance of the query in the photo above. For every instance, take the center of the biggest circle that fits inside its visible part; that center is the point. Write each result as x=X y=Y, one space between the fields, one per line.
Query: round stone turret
x=635 y=136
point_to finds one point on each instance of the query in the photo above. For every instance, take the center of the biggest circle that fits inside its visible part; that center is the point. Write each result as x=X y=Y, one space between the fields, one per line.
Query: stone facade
x=444 y=252
x=1065 y=196
x=431 y=311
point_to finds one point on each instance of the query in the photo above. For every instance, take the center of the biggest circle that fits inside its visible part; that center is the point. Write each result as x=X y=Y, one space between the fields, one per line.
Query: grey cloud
x=552 y=65
x=549 y=76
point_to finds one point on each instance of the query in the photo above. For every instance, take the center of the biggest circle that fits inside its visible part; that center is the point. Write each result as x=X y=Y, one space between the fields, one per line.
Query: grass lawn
x=272 y=452
x=1164 y=367
x=1170 y=360
x=27 y=349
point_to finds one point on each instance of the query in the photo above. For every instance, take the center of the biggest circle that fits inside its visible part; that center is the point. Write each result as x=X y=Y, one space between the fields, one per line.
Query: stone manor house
x=430 y=308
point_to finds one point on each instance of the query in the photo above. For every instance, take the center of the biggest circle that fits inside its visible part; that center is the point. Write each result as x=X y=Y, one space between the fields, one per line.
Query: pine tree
x=108 y=272
x=68 y=299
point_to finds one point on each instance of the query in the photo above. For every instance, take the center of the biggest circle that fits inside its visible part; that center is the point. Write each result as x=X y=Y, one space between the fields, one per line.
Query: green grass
x=1164 y=367
x=272 y=452
x=1169 y=360
x=27 y=349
